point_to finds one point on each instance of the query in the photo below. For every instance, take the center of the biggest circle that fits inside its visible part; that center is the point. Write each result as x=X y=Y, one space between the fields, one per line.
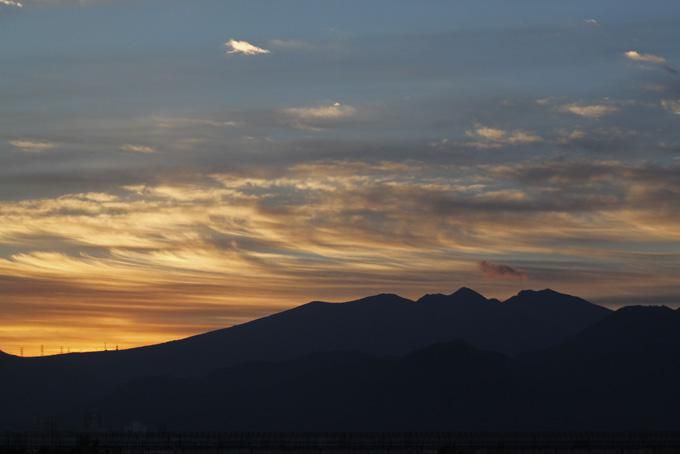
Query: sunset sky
x=170 y=167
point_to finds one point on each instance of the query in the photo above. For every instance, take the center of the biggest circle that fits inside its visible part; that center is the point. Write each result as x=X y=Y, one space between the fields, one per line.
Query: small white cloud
x=589 y=110
x=494 y=137
x=671 y=105
x=335 y=111
x=137 y=149
x=31 y=146
x=489 y=133
x=244 y=48
x=646 y=58
x=11 y=3
x=591 y=22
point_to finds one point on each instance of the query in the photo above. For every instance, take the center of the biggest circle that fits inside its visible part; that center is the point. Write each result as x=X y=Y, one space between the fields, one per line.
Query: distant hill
x=457 y=361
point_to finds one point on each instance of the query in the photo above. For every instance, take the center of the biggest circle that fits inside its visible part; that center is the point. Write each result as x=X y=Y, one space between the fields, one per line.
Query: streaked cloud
x=264 y=193
x=137 y=148
x=589 y=110
x=336 y=229
x=651 y=59
x=671 y=105
x=291 y=44
x=244 y=48
x=495 y=137
x=335 y=111
x=32 y=146
x=646 y=58
x=11 y=3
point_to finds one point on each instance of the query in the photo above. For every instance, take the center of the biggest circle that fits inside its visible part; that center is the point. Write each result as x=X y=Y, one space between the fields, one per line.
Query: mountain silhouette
x=388 y=324
x=632 y=329
x=539 y=360
x=444 y=387
x=463 y=295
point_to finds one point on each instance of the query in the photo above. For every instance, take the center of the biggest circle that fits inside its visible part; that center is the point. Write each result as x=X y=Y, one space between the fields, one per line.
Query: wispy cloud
x=291 y=44
x=495 y=137
x=11 y=3
x=647 y=58
x=137 y=148
x=244 y=48
x=671 y=105
x=634 y=55
x=31 y=146
x=589 y=110
x=330 y=228
x=335 y=111
x=499 y=271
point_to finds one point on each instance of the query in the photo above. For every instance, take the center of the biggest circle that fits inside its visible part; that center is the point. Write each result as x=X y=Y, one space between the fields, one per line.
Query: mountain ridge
x=384 y=357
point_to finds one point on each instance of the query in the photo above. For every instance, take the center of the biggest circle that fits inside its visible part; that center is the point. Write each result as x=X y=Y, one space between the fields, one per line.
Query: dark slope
x=391 y=325
x=633 y=329
x=553 y=316
x=621 y=373
x=383 y=325
x=618 y=374
x=445 y=387
x=329 y=392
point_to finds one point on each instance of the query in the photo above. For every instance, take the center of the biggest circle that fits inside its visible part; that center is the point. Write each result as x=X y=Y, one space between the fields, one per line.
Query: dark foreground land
x=337 y=443
x=539 y=362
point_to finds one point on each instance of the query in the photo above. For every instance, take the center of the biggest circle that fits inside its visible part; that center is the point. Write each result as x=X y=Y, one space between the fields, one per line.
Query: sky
x=171 y=167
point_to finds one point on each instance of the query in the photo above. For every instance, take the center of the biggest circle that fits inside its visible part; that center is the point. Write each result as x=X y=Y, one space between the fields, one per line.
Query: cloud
x=646 y=58
x=494 y=137
x=671 y=105
x=171 y=122
x=589 y=110
x=335 y=111
x=11 y=3
x=291 y=44
x=591 y=22
x=650 y=58
x=137 y=148
x=244 y=48
x=281 y=236
x=498 y=271
x=31 y=146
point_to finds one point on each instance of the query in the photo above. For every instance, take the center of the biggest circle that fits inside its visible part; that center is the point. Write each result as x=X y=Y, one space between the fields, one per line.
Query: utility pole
x=22 y=351
x=42 y=350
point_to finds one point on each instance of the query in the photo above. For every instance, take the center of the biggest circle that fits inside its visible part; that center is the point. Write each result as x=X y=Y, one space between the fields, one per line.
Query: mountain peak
x=544 y=292
x=548 y=298
x=539 y=296
x=462 y=295
x=383 y=298
x=468 y=293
